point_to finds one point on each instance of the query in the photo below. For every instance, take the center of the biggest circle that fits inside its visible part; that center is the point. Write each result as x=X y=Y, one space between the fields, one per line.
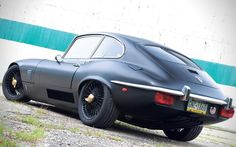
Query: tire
x=184 y=134
x=101 y=112
x=13 y=92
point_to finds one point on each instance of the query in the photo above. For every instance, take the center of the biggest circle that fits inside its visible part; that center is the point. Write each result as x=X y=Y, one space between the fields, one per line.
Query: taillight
x=163 y=99
x=227 y=113
x=124 y=89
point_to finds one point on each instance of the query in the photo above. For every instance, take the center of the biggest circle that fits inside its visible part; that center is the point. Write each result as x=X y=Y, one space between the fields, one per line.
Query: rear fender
x=85 y=80
x=95 y=78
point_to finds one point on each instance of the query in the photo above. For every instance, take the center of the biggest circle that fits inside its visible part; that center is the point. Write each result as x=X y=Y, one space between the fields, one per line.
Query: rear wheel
x=12 y=86
x=96 y=107
x=184 y=134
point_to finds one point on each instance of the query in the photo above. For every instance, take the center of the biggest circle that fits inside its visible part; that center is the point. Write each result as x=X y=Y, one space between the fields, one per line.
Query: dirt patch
x=38 y=124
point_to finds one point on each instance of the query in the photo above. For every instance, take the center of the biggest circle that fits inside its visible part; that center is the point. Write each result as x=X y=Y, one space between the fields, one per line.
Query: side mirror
x=58 y=58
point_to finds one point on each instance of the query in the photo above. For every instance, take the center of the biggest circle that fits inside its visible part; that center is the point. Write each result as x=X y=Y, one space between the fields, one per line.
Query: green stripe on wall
x=34 y=35
x=58 y=40
x=222 y=74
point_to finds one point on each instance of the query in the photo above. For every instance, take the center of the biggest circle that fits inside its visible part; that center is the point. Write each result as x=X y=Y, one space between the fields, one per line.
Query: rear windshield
x=170 y=56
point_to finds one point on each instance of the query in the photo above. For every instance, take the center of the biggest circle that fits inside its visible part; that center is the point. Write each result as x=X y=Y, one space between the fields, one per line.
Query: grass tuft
x=4 y=141
x=162 y=145
x=41 y=111
x=74 y=130
x=33 y=136
x=1 y=129
x=115 y=138
x=31 y=120
x=7 y=143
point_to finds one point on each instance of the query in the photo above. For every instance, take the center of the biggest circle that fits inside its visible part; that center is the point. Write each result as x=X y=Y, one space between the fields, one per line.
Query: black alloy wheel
x=184 y=134
x=12 y=85
x=93 y=96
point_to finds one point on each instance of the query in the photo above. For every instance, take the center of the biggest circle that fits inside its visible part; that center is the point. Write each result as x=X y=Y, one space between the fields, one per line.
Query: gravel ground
x=62 y=128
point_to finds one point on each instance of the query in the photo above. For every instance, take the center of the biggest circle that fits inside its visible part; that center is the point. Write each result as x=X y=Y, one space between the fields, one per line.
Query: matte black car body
x=140 y=72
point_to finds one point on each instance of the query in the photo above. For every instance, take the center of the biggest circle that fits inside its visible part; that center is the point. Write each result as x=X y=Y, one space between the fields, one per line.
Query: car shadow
x=54 y=109
x=120 y=127
x=147 y=134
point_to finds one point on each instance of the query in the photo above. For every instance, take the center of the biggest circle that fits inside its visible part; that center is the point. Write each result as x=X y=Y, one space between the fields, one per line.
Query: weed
x=162 y=145
x=33 y=136
x=4 y=141
x=41 y=111
x=98 y=134
x=1 y=129
x=74 y=130
x=7 y=143
x=31 y=120
x=115 y=138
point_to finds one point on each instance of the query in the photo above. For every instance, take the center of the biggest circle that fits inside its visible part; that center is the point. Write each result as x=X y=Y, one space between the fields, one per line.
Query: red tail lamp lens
x=124 y=89
x=164 y=99
x=227 y=113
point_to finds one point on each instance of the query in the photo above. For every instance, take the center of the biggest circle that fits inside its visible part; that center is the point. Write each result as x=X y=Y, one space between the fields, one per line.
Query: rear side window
x=162 y=54
x=171 y=56
x=187 y=61
x=109 y=48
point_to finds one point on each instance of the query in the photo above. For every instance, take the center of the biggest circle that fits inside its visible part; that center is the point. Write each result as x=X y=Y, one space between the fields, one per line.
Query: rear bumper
x=176 y=119
x=185 y=93
x=138 y=103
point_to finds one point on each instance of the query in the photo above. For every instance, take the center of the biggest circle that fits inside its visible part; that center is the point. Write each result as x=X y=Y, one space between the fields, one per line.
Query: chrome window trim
x=121 y=44
x=98 y=34
x=171 y=91
x=80 y=37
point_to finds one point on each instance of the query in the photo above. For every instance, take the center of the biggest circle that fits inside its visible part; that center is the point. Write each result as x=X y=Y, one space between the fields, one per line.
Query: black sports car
x=107 y=76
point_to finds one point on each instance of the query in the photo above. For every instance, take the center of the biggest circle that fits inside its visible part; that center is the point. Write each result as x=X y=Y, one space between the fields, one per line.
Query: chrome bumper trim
x=207 y=99
x=171 y=91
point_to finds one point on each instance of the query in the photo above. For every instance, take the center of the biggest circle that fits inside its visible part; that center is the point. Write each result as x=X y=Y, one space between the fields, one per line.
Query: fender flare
x=97 y=78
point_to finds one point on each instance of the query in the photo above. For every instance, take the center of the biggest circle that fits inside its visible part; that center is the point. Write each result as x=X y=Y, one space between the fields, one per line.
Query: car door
x=55 y=77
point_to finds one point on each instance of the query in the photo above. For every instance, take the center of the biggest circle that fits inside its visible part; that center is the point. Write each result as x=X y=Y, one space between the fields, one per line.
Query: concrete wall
x=201 y=29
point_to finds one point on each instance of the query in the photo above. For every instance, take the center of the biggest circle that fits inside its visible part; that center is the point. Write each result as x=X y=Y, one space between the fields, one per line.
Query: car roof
x=124 y=38
x=131 y=40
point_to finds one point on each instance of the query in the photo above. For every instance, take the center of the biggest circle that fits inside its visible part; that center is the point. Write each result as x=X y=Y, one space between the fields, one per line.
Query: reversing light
x=163 y=99
x=227 y=113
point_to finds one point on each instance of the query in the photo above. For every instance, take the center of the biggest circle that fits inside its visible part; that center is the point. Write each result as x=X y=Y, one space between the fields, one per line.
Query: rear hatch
x=189 y=74
x=180 y=67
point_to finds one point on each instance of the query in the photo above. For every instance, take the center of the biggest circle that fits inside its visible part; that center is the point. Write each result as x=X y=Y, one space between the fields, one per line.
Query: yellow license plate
x=197 y=107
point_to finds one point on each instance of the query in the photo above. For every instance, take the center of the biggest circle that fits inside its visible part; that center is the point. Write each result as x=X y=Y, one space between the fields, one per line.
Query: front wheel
x=184 y=134
x=96 y=107
x=12 y=86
